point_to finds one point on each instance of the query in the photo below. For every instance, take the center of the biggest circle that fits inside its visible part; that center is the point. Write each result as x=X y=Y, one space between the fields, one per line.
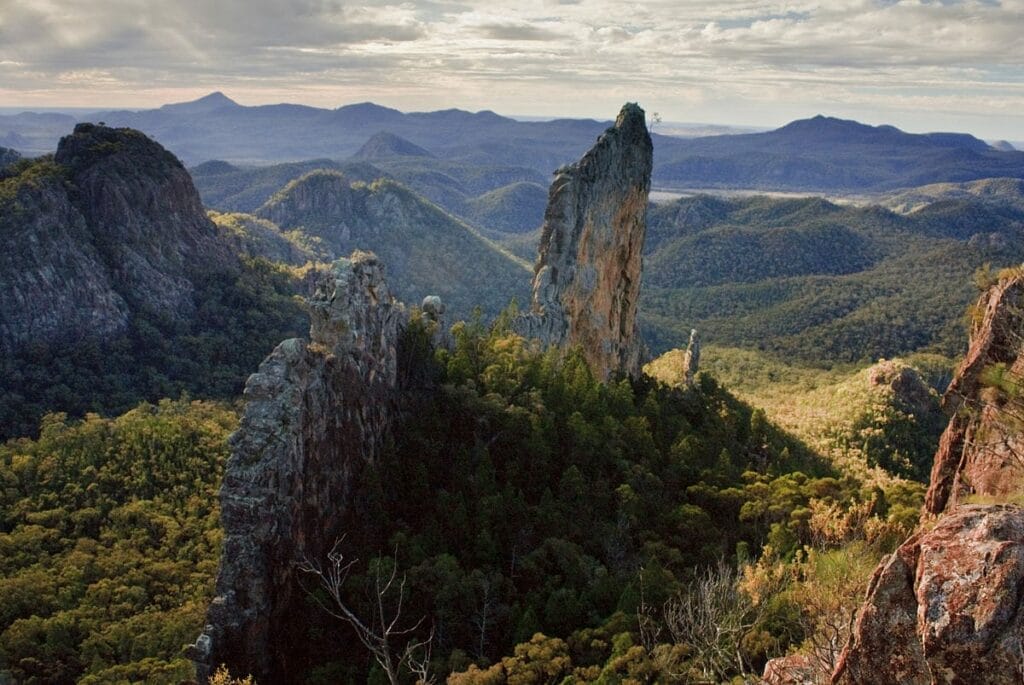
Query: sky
x=922 y=65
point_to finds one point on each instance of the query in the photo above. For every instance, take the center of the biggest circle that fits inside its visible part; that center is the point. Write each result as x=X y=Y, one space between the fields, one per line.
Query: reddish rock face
x=982 y=450
x=586 y=283
x=795 y=669
x=946 y=607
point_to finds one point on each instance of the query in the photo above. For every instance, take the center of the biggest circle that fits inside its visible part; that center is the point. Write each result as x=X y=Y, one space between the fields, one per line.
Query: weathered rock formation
x=316 y=412
x=982 y=449
x=691 y=360
x=586 y=283
x=110 y=224
x=947 y=607
x=794 y=669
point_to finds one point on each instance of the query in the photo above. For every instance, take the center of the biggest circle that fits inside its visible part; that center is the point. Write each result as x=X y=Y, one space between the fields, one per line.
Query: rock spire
x=316 y=412
x=586 y=283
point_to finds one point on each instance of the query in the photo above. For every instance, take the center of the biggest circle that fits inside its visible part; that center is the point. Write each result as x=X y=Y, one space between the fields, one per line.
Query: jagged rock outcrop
x=316 y=412
x=112 y=223
x=947 y=607
x=982 y=449
x=586 y=283
x=691 y=360
x=794 y=669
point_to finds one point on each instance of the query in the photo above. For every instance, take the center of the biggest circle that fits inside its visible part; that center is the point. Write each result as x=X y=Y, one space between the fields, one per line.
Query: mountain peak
x=207 y=103
x=387 y=144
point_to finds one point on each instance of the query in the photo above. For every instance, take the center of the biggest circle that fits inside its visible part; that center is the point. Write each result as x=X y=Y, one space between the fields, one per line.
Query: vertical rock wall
x=982 y=449
x=586 y=284
x=316 y=412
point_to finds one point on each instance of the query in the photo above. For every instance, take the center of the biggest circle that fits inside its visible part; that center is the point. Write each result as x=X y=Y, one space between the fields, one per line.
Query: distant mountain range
x=818 y=154
x=832 y=155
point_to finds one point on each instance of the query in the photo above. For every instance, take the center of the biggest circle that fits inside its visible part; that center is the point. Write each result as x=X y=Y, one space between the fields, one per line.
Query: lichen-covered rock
x=795 y=669
x=316 y=412
x=586 y=284
x=947 y=607
x=982 y=449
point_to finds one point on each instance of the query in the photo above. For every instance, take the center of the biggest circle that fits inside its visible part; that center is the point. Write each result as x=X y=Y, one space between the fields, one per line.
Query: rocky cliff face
x=586 y=283
x=947 y=607
x=982 y=450
x=111 y=223
x=316 y=412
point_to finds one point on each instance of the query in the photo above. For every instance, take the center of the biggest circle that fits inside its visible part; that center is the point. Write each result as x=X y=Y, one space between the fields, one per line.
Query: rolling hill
x=426 y=250
x=816 y=282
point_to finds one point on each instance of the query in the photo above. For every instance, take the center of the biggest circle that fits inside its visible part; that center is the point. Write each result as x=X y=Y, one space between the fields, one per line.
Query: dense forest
x=547 y=526
x=109 y=542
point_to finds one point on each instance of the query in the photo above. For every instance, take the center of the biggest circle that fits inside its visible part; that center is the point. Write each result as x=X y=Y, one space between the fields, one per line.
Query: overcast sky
x=919 y=64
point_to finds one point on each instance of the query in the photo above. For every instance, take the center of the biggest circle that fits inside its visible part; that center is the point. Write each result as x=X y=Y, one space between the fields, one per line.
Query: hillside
x=426 y=251
x=515 y=208
x=817 y=282
x=384 y=144
x=229 y=188
x=1008 y=192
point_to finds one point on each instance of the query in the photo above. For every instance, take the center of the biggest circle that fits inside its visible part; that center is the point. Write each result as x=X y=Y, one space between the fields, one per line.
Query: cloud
x=691 y=57
x=514 y=32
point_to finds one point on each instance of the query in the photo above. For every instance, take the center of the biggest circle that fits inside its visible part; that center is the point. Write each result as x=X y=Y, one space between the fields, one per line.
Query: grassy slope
x=838 y=412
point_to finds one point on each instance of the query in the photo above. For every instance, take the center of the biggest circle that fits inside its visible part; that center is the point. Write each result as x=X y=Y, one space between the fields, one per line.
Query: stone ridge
x=316 y=412
x=947 y=607
x=112 y=223
x=586 y=283
x=978 y=453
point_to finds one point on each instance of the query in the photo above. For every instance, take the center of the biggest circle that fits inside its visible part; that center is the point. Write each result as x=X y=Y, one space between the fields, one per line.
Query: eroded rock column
x=586 y=284
x=316 y=412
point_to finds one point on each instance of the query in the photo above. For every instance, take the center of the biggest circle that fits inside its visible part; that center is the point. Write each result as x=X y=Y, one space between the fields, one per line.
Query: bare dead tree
x=483 y=617
x=395 y=649
x=712 y=615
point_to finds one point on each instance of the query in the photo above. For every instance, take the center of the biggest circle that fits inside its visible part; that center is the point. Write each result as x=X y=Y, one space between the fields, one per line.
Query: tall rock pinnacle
x=586 y=283
x=316 y=412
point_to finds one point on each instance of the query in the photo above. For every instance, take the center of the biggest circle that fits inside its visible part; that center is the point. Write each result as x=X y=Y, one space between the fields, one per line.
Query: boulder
x=946 y=607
